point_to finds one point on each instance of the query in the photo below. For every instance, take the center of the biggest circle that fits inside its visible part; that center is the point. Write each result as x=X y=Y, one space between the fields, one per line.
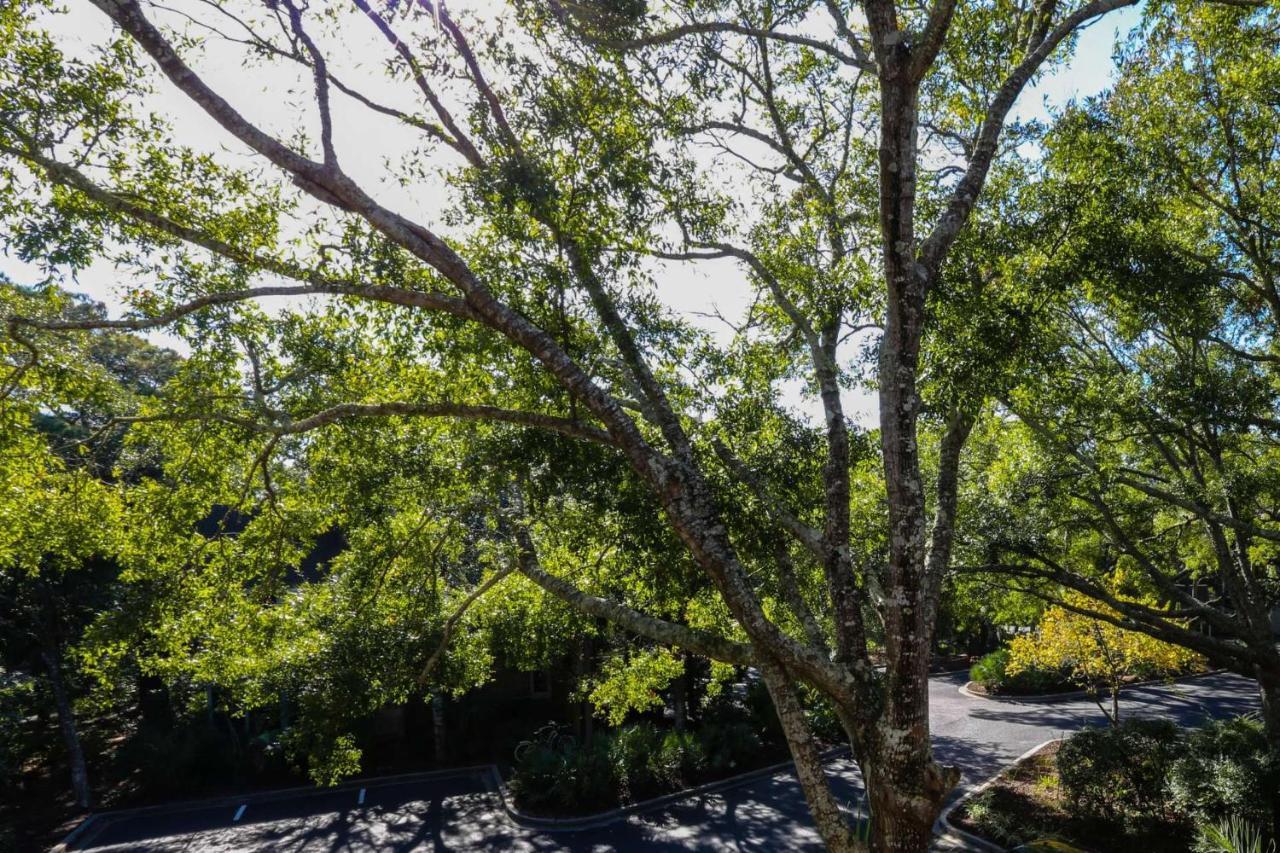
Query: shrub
x=992 y=821
x=19 y=701
x=632 y=750
x=1120 y=771
x=1226 y=771
x=992 y=672
x=554 y=773
x=989 y=670
x=729 y=747
x=680 y=761
x=184 y=761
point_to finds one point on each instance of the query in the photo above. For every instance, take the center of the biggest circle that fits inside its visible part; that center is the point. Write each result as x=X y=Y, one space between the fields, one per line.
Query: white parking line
x=360 y=800
x=240 y=812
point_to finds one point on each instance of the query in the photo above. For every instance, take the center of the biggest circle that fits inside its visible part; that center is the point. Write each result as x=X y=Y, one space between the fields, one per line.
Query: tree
x=53 y=580
x=58 y=522
x=573 y=154
x=1159 y=454
x=59 y=511
x=1097 y=653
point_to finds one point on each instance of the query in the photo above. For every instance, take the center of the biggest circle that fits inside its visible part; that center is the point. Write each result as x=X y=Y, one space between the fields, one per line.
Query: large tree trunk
x=70 y=733
x=439 y=728
x=902 y=813
x=1269 y=686
x=833 y=825
x=904 y=785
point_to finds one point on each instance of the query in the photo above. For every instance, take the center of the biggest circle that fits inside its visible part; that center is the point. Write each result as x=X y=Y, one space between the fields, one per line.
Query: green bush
x=1225 y=771
x=681 y=761
x=648 y=762
x=730 y=747
x=1121 y=771
x=554 y=773
x=19 y=702
x=992 y=673
x=632 y=753
x=991 y=820
x=182 y=762
x=989 y=671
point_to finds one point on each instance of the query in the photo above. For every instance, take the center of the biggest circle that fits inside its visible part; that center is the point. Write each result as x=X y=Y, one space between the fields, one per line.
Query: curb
x=95 y=822
x=1078 y=694
x=82 y=827
x=595 y=821
x=944 y=830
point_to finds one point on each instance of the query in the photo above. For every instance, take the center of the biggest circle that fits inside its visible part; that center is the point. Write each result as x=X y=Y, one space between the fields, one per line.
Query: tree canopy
x=426 y=287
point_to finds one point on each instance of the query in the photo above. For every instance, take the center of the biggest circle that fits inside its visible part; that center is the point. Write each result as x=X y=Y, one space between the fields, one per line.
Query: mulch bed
x=1025 y=804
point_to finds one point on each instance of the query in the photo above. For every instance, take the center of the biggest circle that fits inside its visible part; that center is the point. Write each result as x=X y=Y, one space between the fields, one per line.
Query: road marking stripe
x=240 y=812
x=360 y=801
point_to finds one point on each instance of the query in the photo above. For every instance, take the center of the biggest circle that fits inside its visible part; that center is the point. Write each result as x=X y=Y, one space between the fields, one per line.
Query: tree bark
x=439 y=728
x=1269 y=686
x=70 y=732
x=904 y=785
x=833 y=825
x=905 y=788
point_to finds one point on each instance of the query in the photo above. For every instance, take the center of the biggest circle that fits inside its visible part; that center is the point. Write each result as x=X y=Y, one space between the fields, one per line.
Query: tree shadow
x=764 y=814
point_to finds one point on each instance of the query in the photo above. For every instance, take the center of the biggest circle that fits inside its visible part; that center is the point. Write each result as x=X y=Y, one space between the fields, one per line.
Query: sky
x=695 y=291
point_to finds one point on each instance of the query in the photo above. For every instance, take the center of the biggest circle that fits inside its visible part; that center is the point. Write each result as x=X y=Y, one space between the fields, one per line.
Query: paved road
x=460 y=812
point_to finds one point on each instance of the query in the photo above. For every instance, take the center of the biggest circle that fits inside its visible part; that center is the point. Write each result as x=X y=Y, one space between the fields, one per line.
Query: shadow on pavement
x=766 y=814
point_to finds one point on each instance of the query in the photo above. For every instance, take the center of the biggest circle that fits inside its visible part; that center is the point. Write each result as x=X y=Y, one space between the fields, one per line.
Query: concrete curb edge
x=1078 y=694
x=943 y=828
x=97 y=821
x=595 y=821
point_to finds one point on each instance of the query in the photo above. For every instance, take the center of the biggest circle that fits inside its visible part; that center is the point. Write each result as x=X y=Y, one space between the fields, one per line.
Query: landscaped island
x=1143 y=784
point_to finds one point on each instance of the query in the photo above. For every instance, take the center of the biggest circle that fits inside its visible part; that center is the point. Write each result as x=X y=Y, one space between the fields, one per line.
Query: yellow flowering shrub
x=1097 y=653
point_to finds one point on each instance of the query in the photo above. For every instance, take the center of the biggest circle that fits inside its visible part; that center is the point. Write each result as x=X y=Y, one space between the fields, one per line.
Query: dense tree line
x=475 y=377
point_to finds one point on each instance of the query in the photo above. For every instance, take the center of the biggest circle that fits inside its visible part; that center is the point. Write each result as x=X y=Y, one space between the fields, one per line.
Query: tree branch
x=451 y=623
x=683 y=31
x=926 y=48
x=670 y=633
x=789 y=585
x=965 y=196
x=809 y=537
x=344 y=411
